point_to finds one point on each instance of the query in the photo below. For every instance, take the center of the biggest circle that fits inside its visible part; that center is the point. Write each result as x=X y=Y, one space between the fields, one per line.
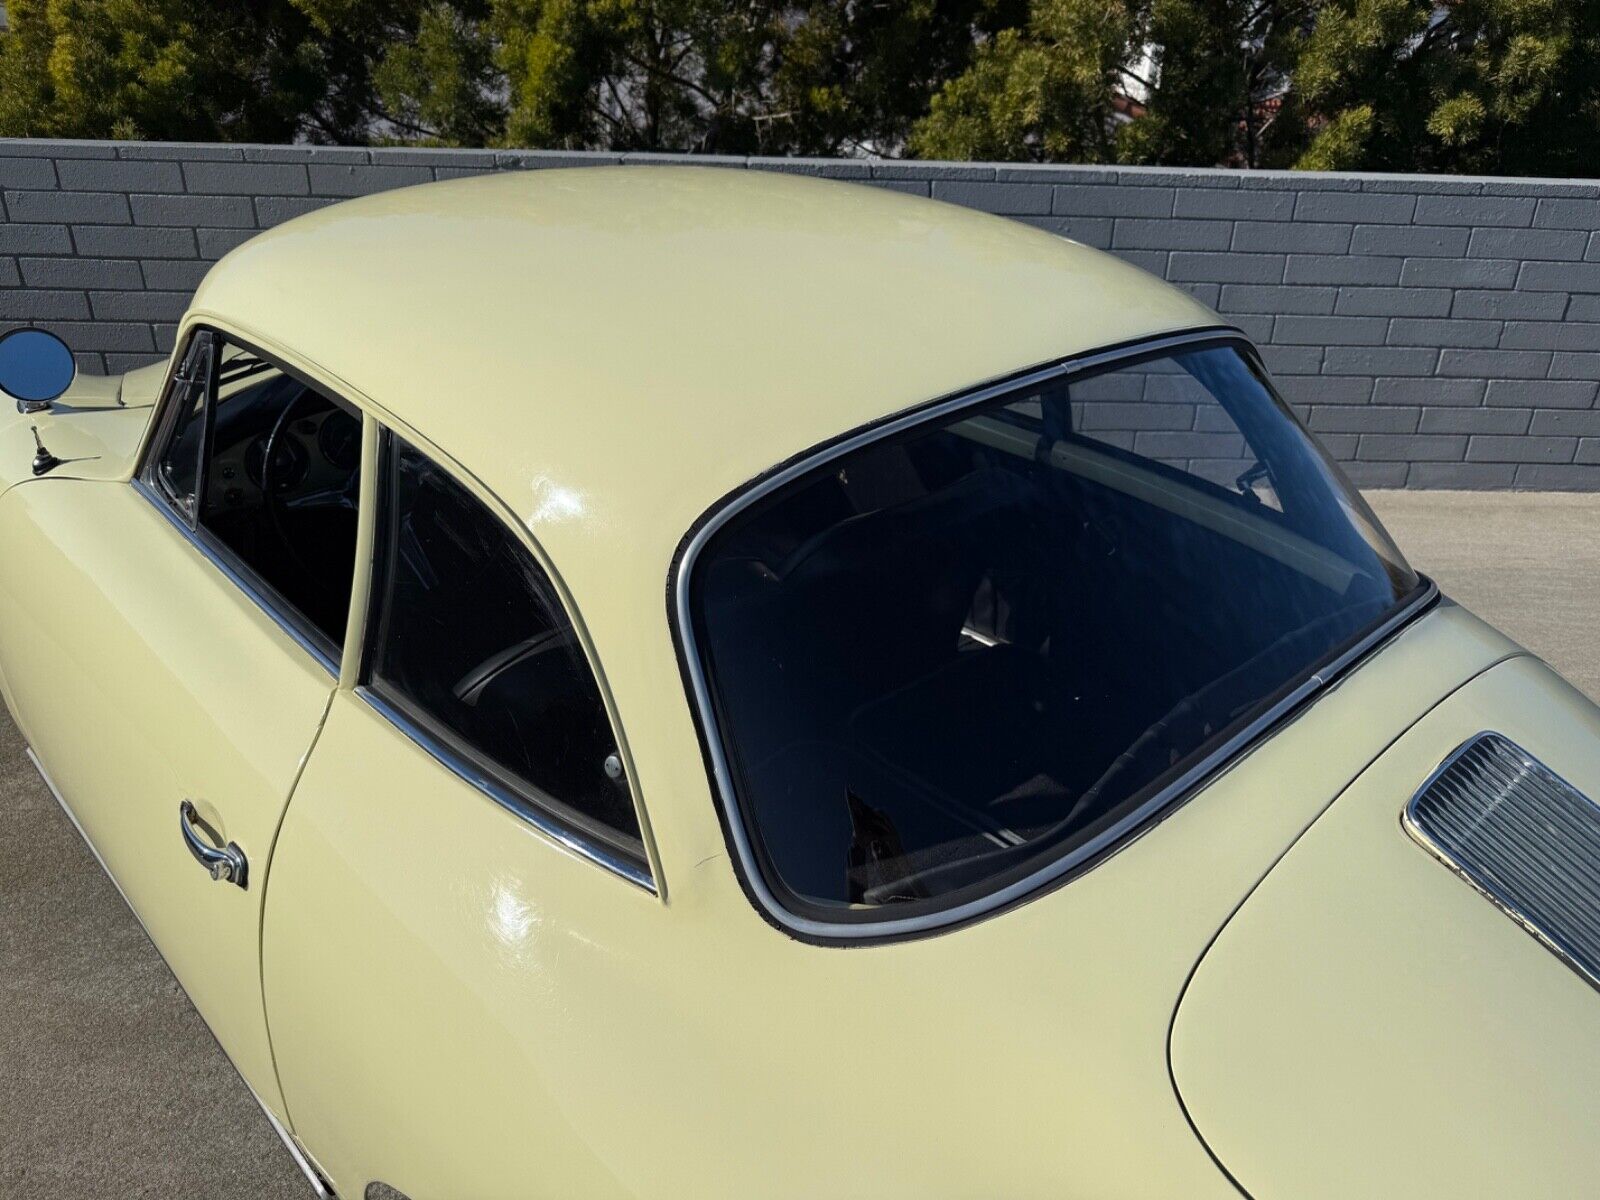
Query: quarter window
x=265 y=469
x=179 y=470
x=471 y=643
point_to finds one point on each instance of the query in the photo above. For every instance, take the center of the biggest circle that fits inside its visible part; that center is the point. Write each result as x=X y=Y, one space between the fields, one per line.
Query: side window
x=178 y=471
x=470 y=641
x=266 y=470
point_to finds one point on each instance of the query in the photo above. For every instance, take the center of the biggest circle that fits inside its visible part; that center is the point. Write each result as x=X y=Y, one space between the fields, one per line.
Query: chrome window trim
x=239 y=576
x=831 y=931
x=320 y=1187
x=147 y=479
x=559 y=832
x=166 y=421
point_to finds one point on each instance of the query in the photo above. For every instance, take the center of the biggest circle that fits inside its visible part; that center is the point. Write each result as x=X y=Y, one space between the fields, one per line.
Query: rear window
x=951 y=657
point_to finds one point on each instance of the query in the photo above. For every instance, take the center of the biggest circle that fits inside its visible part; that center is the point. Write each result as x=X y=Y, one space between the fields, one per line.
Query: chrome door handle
x=225 y=865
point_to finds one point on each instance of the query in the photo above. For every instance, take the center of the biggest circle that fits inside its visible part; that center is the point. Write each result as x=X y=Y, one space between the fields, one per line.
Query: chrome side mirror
x=35 y=368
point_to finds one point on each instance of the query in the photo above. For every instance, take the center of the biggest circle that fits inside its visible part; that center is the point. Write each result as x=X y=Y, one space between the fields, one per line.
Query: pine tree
x=1216 y=74
x=1044 y=91
x=765 y=77
x=253 y=70
x=1499 y=86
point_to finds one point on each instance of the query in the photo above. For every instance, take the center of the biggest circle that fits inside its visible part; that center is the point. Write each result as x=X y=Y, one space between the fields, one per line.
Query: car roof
x=610 y=350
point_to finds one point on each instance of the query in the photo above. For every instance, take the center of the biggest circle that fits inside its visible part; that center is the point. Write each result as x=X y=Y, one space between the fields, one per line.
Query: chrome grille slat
x=1555 y=852
x=1561 y=847
x=1537 y=861
x=1549 y=855
x=1521 y=835
x=1507 y=856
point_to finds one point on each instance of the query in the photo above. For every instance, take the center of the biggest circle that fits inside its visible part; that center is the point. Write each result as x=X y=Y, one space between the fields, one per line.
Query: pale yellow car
x=669 y=683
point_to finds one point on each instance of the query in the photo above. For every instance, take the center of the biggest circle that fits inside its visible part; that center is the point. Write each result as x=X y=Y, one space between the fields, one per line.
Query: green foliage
x=442 y=81
x=226 y=69
x=1499 y=86
x=1348 y=66
x=1510 y=86
x=765 y=76
x=1046 y=92
x=1134 y=81
x=1457 y=121
x=1340 y=142
x=853 y=77
x=1214 y=67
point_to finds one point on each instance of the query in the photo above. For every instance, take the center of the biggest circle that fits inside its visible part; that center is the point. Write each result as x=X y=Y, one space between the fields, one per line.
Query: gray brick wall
x=1434 y=331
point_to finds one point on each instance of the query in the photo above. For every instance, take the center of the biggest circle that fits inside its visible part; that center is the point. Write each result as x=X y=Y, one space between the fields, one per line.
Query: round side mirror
x=35 y=368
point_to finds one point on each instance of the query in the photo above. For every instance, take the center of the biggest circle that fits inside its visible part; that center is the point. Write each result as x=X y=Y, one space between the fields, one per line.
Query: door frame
x=236 y=570
x=376 y=420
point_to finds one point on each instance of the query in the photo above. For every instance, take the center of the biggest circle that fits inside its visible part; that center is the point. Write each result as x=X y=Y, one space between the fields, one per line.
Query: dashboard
x=316 y=452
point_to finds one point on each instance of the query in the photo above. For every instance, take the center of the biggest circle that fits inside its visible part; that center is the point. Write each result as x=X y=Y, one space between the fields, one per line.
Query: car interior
x=473 y=638
x=471 y=641
x=282 y=484
x=955 y=649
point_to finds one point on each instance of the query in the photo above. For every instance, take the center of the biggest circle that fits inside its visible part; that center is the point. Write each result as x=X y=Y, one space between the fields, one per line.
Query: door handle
x=225 y=865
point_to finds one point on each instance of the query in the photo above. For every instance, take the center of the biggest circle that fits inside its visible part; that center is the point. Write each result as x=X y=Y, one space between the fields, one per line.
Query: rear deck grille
x=1524 y=837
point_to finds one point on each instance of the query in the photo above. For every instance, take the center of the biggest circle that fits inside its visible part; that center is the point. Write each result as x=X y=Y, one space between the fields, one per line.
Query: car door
x=167 y=670
x=461 y=878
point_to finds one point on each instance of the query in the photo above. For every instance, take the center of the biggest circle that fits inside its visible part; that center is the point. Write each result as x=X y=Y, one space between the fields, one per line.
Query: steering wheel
x=277 y=503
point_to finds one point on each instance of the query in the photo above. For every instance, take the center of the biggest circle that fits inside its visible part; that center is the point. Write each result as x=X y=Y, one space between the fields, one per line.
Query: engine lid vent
x=1521 y=835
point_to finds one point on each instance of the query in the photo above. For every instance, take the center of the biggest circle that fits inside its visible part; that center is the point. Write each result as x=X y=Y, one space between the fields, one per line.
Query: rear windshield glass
x=946 y=657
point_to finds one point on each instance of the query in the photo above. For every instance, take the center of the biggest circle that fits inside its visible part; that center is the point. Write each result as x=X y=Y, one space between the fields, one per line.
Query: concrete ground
x=1528 y=563
x=110 y=1086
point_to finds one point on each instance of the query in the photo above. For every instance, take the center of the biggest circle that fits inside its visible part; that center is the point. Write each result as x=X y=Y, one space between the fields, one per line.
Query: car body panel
x=612 y=350
x=95 y=428
x=1368 y=1024
x=457 y=1004
x=743 y=319
x=560 y=326
x=141 y=386
x=141 y=676
x=461 y=1008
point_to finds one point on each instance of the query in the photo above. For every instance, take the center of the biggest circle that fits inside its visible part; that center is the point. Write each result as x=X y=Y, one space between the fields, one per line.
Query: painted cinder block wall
x=1434 y=331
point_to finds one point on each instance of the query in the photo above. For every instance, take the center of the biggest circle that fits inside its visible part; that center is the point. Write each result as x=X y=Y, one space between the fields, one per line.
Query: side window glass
x=178 y=470
x=266 y=468
x=471 y=642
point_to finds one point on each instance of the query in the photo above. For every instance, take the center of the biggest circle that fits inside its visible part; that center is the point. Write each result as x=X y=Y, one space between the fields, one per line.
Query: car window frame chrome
x=238 y=574
x=1063 y=866
x=519 y=798
x=513 y=801
x=148 y=481
x=167 y=421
